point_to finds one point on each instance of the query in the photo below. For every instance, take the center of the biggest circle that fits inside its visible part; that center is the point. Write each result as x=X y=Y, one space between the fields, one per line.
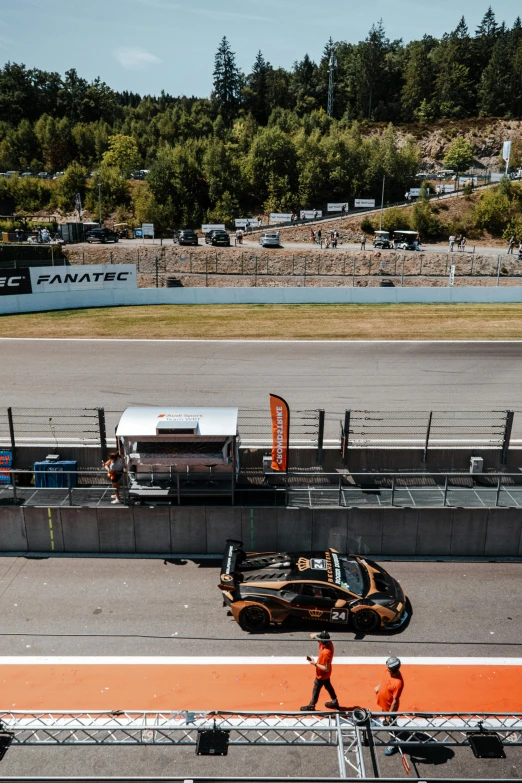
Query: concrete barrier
x=71 y=300
x=410 y=532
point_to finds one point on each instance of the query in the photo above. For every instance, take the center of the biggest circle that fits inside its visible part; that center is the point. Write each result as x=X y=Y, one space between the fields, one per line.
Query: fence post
x=428 y=430
x=138 y=251
x=507 y=437
x=12 y=435
x=103 y=433
x=499 y=485
x=156 y=271
x=111 y=261
x=393 y=491
x=346 y=435
x=69 y=494
x=445 y=489
x=402 y=276
x=498 y=270
x=206 y=272
x=353 y=273
x=340 y=496
x=320 y=436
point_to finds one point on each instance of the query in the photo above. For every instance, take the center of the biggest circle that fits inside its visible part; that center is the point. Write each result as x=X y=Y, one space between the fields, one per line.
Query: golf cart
x=382 y=240
x=406 y=240
x=122 y=230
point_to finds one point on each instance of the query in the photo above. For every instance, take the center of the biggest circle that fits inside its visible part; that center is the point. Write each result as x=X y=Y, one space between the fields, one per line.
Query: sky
x=146 y=46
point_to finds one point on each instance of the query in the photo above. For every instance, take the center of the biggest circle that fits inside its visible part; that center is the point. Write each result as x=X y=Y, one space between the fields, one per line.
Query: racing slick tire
x=254 y=619
x=366 y=620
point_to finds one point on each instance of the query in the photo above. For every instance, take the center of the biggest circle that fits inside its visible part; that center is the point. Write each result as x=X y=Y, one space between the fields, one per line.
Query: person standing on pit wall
x=114 y=467
x=511 y=244
x=323 y=672
x=389 y=693
x=451 y=243
x=363 y=241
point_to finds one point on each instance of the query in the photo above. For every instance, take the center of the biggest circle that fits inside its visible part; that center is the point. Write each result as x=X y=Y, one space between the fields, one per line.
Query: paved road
x=331 y=375
x=152 y=607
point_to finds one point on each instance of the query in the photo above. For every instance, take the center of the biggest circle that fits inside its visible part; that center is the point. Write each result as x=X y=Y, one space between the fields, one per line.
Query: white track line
x=79 y=660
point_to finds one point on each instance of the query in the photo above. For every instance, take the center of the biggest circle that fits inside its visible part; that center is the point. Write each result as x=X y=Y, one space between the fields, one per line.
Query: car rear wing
x=232 y=557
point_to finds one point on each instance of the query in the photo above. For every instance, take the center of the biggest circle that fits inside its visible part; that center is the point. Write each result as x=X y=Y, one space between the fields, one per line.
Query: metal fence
x=255 y=428
x=53 y=427
x=422 y=429
x=303 y=489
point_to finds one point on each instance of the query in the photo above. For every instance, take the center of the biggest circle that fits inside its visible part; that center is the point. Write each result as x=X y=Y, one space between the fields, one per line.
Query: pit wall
x=359 y=460
x=439 y=532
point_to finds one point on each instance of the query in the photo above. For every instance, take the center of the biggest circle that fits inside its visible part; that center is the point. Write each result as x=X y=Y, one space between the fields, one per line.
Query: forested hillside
x=263 y=141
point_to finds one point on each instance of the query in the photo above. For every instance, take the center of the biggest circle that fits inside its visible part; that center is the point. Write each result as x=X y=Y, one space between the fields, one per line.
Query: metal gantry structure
x=349 y=733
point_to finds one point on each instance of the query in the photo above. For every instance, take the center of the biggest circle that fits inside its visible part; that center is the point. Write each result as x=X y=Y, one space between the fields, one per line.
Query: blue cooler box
x=54 y=475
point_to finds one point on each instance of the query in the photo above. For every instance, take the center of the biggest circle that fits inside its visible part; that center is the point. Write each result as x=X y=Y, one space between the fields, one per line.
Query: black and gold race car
x=268 y=587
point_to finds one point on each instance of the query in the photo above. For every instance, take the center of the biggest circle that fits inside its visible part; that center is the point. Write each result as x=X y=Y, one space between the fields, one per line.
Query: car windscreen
x=353 y=577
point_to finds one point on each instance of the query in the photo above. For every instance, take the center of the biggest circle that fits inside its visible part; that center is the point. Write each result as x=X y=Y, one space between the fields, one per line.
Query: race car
x=268 y=587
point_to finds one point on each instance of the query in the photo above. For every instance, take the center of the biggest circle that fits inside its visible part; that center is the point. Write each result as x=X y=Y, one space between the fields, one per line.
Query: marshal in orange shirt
x=389 y=689
x=325 y=657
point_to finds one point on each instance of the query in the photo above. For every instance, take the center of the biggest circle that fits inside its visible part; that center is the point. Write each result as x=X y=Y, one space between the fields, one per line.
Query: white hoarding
x=465 y=180
x=446 y=187
x=338 y=206
x=496 y=177
x=48 y=279
x=506 y=152
x=147 y=229
x=364 y=203
x=242 y=222
x=280 y=217
x=206 y=227
x=310 y=214
x=415 y=192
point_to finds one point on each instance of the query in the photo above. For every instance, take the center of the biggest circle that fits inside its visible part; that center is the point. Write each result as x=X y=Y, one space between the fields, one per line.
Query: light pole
x=99 y=199
x=382 y=201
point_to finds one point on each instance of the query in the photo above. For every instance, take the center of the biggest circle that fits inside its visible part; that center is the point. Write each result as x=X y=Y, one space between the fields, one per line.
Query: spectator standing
x=520 y=250
x=323 y=672
x=336 y=237
x=511 y=244
x=363 y=241
x=319 y=237
x=315 y=214
x=312 y=236
x=327 y=241
x=343 y=210
x=389 y=693
x=451 y=243
x=114 y=468
x=459 y=241
x=463 y=241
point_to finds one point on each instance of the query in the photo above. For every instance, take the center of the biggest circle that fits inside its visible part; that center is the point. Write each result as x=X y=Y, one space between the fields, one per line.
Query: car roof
x=315 y=567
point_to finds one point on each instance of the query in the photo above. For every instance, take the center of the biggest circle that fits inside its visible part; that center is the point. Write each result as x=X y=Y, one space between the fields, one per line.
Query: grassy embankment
x=275 y=322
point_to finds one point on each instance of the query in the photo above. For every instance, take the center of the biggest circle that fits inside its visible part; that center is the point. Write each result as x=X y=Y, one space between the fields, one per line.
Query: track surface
x=144 y=608
x=330 y=375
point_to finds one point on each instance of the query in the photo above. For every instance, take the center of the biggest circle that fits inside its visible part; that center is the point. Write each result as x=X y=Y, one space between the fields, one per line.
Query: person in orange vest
x=323 y=671
x=389 y=693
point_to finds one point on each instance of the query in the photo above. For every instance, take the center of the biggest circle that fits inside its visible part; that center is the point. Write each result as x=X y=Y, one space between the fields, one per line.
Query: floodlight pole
x=99 y=199
x=382 y=201
x=331 y=84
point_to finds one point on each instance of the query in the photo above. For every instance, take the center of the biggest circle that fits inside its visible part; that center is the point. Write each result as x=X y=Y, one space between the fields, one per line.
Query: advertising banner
x=147 y=229
x=206 y=227
x=506 y=152
x=242 y=222
x=310 y=214
x=415 y=192
x=465 y=180
x=280 y=415
x=47 y=279
x=6 y=462
x=446 y=187
x=338 y=206
x=364 y=203
x=280 y=217
x=15 y=281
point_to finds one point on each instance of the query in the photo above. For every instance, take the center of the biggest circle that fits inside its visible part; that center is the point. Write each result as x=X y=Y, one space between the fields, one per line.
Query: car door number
x=339 y=616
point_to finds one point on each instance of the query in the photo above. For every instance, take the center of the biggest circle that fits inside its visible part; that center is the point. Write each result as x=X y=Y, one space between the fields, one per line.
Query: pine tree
x=495 y=97
x=227 y=81
x=256 y=91
x=485 y=36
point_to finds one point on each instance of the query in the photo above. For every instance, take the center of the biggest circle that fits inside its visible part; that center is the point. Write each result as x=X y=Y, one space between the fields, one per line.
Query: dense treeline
x=263 y=140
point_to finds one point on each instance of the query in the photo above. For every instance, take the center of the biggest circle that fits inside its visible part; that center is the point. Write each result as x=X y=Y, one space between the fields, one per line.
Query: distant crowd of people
x=331 y=238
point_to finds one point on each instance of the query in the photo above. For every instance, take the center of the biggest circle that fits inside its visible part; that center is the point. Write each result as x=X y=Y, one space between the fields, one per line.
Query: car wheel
x=254 y=619
x=366 y=620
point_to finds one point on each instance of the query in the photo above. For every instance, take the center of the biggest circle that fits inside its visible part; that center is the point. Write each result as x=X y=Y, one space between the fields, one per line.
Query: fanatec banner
x=50 y=279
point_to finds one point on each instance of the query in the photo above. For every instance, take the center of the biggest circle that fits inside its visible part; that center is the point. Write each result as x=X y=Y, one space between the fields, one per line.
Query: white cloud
x=135 y=59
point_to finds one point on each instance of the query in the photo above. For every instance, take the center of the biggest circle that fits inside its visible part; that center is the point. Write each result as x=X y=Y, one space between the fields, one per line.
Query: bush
x=395 y=218
x=425 y=221
x=367 y=225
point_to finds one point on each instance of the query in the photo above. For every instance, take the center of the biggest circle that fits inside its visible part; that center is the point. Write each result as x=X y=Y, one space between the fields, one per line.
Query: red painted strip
x=437 y=688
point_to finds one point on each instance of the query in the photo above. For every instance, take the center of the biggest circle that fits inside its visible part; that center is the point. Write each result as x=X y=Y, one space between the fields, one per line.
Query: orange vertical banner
x=280 y=414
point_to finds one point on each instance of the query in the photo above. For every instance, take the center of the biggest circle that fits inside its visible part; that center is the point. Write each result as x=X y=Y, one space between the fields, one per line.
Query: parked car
x=28 y=174
x=186 y=237
x=44 y=175
x=217 y=237
x=382 y=240
x=102 y=235
x=270 y=239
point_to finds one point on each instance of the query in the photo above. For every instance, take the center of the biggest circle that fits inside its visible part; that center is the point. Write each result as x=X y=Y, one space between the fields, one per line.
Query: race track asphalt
x=330 y=375
x=116 y=607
